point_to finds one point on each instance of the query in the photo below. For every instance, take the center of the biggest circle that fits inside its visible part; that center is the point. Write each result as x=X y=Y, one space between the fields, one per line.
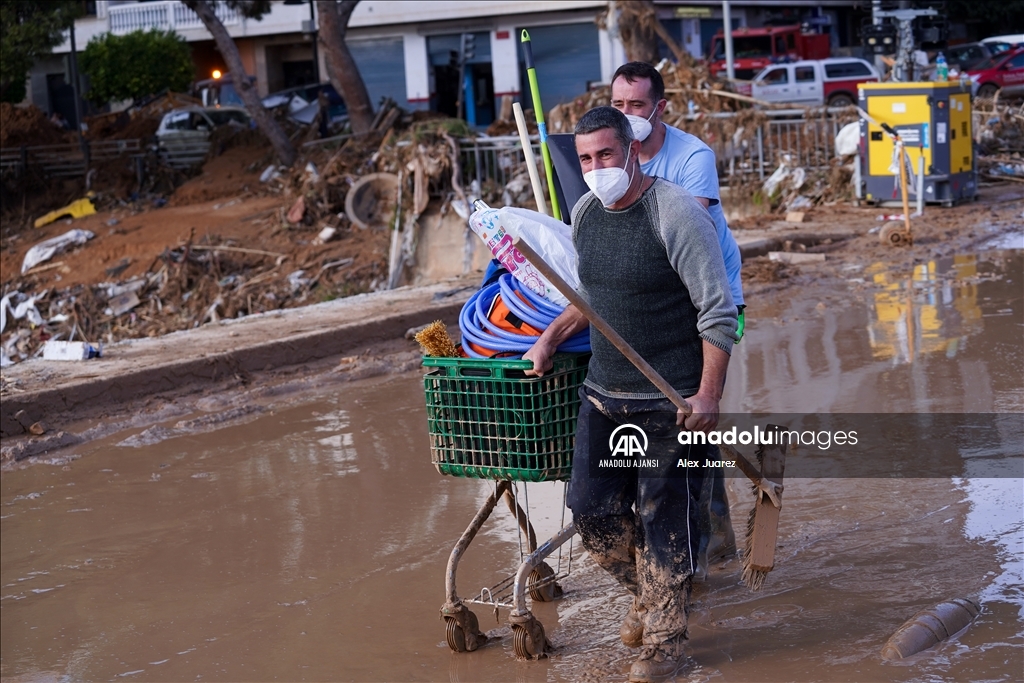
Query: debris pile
x=306 y=250
x=204 y=280
x=690 y=89
x=999 y=132
x=704 y=106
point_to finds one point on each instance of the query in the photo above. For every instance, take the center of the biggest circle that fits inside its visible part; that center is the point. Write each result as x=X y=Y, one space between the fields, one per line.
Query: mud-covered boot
x=657 y=664
x=632 y=630
x=723 y=539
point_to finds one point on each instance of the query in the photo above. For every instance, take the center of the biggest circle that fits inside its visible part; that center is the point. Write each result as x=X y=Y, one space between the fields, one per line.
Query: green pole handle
x=542 y=127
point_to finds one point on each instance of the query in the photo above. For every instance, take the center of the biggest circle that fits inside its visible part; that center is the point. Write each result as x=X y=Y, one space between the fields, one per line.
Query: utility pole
x=730 y=67
x=76 y=88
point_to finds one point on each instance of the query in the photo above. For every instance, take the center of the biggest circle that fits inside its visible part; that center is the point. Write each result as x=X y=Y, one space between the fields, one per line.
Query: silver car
x=184 y=134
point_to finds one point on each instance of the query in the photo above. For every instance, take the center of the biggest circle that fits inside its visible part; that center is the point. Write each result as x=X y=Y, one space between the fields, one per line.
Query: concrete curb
x=137 y=368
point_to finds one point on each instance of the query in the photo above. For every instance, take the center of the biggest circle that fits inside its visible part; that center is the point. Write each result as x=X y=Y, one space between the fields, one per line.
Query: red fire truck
x=755 y=48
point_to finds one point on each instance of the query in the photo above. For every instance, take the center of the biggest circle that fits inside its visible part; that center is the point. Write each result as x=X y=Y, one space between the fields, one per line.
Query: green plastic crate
x=488 y=420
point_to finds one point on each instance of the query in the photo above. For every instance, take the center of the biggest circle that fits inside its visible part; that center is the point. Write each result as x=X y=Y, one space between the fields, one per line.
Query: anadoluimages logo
x=628 y=441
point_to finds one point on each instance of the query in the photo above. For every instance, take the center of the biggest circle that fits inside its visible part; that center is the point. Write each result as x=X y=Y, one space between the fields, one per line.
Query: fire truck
x=755 y=48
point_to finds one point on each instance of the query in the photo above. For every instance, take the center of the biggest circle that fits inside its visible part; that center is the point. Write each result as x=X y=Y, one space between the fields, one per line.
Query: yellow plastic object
x=76 y=209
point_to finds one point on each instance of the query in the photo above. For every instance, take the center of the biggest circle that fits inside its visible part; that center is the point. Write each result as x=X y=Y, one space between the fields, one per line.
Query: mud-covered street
x=302 y=534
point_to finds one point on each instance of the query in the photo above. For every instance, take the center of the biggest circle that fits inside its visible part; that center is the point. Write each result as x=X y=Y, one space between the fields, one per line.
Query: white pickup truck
x=813 y=82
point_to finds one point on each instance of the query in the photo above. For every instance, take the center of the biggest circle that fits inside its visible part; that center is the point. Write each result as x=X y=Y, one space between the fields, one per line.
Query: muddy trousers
x=716 y=534
x=641 y=526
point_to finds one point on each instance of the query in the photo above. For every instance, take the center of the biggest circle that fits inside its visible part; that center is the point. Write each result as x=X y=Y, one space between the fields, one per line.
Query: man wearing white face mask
x=650 y=265
x=638 y=91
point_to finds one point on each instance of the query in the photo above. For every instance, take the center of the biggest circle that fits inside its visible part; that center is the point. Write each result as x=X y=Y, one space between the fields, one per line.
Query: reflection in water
x=946 y=338
x=935 y=309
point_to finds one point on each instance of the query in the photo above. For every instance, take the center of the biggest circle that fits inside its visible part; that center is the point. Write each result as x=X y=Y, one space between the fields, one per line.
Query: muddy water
x=309 y=542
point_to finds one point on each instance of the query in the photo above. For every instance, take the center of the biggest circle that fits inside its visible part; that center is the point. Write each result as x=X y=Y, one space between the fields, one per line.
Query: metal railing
x=169 y=15
x=182 y=154
x=809 y=142
x=494 y=159
x=786 y=134
x=69 y=159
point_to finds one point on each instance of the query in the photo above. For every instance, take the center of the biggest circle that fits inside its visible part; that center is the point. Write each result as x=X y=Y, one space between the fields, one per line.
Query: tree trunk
x=341 y=67
x=229 y=51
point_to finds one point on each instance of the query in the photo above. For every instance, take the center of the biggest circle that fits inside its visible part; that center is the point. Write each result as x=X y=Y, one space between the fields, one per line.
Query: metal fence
x=182 y=154
x=69 y=159
x=788 y=135
x=808 y=140
x=496 y=159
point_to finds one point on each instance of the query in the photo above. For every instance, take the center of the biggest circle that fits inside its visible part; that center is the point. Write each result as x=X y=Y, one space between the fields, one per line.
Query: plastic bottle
x=941 y=68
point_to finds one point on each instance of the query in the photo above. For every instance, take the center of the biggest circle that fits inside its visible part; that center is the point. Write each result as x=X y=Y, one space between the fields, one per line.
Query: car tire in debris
x=988 y=90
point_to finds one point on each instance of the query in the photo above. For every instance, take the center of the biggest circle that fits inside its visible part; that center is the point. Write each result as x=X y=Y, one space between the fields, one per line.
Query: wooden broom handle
x=622 y=345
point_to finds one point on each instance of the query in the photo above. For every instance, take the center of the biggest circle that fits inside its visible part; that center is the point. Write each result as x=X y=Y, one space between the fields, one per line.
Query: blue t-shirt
x=686 y=161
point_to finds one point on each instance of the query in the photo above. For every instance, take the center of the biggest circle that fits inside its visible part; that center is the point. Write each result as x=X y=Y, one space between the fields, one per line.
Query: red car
x=1003 y=72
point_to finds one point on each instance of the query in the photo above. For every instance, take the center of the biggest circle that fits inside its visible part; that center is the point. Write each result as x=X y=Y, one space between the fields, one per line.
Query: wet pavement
x=308 y=541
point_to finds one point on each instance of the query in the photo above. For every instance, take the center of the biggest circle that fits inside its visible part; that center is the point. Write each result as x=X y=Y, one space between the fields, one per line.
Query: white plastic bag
x=848 y=139
x=550 y=238
x=45 y=250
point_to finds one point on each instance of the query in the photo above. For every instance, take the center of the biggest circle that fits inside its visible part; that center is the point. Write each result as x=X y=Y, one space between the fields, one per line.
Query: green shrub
x=136 y=64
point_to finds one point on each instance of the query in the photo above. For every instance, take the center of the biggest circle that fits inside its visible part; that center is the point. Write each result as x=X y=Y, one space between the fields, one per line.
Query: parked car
x=197 y=122
x=1001 y=44
x=184 y=134
x=1003 y=73
x=813 y=82
x=964 y=57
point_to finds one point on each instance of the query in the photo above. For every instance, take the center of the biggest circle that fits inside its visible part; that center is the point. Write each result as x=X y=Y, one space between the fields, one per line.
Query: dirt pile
x=29 y=126
x=140 y=121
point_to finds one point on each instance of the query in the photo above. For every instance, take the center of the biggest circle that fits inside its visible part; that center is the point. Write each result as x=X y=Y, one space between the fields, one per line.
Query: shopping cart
x=487 y=419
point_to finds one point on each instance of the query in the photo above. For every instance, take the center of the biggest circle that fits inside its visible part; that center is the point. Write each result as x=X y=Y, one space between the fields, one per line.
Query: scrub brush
x=436 y=341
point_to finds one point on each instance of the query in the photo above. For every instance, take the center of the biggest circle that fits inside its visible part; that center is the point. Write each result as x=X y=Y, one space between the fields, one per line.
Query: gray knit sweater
x=655 y=273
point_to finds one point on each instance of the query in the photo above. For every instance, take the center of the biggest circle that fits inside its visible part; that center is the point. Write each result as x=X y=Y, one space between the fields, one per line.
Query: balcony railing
x=167 y=16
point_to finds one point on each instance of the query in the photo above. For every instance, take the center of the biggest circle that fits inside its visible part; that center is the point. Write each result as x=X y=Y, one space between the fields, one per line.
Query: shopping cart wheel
x=523 y=645
x=454 y=634
x=550 y=590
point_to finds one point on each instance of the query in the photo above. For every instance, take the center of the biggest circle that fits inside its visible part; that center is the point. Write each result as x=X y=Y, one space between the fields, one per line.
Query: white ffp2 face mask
x=641 y=127
x=609 y=185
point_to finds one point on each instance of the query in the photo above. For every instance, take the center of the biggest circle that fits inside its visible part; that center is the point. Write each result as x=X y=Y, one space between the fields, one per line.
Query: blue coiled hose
x=477 y=329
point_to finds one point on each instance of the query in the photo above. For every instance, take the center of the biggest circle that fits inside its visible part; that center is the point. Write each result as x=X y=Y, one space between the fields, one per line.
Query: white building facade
x=406 y=48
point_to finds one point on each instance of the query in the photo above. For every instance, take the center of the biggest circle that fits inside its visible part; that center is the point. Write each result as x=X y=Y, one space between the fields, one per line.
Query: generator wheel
x=523 y=645
x=549 y=591
x=454 y=635
x=894 y=234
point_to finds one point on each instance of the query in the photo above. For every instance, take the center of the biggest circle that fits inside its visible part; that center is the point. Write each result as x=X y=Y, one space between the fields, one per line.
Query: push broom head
x=763 y=522
x=436 y=341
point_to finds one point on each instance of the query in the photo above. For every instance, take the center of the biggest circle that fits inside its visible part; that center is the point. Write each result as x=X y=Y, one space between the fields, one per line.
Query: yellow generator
x=934 y=121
